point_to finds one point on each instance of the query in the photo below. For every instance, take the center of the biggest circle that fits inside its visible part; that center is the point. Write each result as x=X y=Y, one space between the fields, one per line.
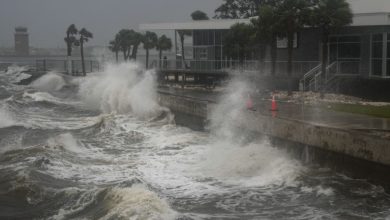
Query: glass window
x=349 y=50
x=376 y=67
x=388 y=68
x=377 y=50
x=377 y=37
x=203 y=53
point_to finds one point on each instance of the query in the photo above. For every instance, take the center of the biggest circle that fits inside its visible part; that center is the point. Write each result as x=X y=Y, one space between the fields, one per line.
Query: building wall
x=308 y=47
x=21 y=43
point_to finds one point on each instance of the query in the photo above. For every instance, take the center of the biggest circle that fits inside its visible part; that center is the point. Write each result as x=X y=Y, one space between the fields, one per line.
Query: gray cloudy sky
x=48 y=19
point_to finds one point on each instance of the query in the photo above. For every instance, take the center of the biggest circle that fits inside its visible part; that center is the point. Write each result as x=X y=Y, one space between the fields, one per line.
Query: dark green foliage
x=233 y=9
x=114 y=46
x=163 y=43
x=149 y=41
x=199 y=15
x=85 y=35
x=238 y=41
x=70 y=38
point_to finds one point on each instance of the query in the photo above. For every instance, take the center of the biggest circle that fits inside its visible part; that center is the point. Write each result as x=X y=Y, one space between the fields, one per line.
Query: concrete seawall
x=363 y=145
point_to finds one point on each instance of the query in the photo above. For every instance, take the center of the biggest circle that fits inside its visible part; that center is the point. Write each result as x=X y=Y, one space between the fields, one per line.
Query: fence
x=61 y=66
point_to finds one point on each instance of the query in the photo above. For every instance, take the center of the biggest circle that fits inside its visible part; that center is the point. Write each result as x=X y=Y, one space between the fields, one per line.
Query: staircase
x=311 y=81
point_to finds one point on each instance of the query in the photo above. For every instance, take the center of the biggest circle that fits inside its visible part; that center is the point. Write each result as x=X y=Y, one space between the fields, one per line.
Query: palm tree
x=329 y=15
x=115 y=46
x=149 y=41
x=182 y=34
x=70 y=39
x=164 y=43
x=293 y=15
x=85 y=35
x=135 y=42
x=125 y=36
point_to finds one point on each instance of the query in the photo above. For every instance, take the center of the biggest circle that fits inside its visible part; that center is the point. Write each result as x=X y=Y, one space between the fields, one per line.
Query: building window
x=281 y=42
x=346 y=50
x=203 y=53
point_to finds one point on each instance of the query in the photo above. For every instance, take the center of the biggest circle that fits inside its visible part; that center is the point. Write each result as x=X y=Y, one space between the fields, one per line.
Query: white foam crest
x=6 y=118
x=41 y=96
x=121 y=88
x=49 y=82
x=67 y=142
x=136 y=202
x=16 y=73
x=254 y=164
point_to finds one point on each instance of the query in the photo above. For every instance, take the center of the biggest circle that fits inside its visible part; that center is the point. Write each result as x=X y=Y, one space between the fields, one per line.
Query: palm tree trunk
x=82 y=56
x=147 y=59
x=273 y=55
x=160 y=57
x=324 y=62
x=134 y=52
x=290 y=44
x=124 y=55
x=182 y=50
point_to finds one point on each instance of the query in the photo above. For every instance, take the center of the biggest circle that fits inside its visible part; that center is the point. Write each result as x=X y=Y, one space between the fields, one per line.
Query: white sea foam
x=254 y=164
x=49 y=82
x=136 y=202
x=6 y=118
x=16 y=73
x=121 y=88
x=67 y=142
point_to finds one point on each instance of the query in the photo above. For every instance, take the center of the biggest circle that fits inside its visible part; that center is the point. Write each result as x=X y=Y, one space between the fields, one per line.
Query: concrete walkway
x=303 y=113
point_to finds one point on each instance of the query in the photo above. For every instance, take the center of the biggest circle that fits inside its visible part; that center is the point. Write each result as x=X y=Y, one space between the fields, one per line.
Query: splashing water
x=122 y=88
x=92 y=152
x=49 y=82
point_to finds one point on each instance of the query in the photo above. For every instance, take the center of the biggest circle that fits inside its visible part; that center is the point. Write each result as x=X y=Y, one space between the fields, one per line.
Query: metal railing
x=249 y=66
x=311 y=81
x=61 y=66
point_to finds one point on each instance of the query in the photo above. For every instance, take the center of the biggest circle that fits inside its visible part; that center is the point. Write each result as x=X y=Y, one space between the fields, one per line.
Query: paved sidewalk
x=304 y=113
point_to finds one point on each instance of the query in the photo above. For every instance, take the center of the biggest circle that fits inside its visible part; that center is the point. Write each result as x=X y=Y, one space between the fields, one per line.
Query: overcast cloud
x=47 y=19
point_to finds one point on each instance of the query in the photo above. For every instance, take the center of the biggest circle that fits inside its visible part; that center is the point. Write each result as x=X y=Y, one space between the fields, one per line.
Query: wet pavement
x=304 y=113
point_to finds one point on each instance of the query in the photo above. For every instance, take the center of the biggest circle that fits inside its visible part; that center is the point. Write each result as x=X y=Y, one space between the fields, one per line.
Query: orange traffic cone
x=249 y=103
x=274 y=107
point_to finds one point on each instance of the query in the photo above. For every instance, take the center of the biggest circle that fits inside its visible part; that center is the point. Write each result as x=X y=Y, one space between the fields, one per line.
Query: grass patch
x=376 y=111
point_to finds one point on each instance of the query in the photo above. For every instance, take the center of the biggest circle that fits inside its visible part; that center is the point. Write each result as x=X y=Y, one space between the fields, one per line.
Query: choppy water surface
x=101 y=148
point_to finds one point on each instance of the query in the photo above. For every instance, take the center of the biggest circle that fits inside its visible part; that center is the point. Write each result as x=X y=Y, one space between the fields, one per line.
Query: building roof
x=369 y=6
x=194 y=25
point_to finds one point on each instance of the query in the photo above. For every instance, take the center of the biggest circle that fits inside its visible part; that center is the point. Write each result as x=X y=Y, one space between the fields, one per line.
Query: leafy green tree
x=70 y=39
x=164 y=43
x=115 y=46
x=329 y=15
x=293 y=15
x=85 y=35
x=233 y=9
x=149 y=41
x=238 y=40
x=199 y=15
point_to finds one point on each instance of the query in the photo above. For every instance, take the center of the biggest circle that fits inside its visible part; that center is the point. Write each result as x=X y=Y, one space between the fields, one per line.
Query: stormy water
x=101 y=147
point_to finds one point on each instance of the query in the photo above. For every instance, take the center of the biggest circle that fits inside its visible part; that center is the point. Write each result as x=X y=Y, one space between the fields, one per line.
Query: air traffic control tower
x=21 y=41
